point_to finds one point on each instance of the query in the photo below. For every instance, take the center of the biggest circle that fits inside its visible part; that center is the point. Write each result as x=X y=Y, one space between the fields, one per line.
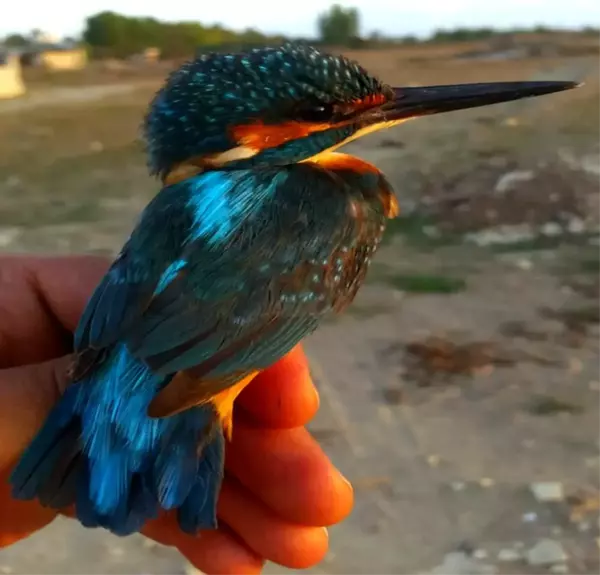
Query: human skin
x=280 y=489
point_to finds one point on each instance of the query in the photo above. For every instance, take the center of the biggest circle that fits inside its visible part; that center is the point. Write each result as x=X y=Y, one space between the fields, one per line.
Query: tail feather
x=199 y=510
x=174 y=474
x=62 y=493
x=39 y=464
x=110 y=481
x=100 y=451
x=60 y=482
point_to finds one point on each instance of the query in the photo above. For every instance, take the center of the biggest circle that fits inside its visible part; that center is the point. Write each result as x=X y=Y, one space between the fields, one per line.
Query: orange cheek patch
x=357 y=106
x=261 y=136
x=369 y=102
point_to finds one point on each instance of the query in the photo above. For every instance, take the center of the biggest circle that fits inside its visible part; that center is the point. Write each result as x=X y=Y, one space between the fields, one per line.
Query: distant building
x=11 y=79
x=151 y=54
x=55 y=56
x=147 y=55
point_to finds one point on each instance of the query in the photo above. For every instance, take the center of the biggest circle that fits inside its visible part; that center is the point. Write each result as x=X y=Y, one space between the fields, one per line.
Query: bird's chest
x=300 y=252
x=333 y=259
x=349 y=262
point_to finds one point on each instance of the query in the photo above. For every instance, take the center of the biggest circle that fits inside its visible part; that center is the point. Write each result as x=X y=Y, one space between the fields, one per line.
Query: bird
x=260 y=231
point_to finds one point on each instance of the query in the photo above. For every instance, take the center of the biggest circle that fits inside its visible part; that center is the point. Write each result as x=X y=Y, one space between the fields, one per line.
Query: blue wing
x=149 y=256
x=252 y=261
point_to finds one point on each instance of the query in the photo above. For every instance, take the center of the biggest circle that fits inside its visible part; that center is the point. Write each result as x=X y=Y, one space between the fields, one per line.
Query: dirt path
x=69 y=96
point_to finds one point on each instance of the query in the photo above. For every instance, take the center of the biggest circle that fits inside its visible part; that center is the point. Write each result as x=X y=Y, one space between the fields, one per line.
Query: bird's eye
x=315 y=113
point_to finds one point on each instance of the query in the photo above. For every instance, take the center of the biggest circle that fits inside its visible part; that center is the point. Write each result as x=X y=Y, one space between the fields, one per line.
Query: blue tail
x=100 y=451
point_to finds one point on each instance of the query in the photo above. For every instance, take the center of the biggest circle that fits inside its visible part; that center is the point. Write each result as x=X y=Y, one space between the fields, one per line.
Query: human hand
x=280 y=489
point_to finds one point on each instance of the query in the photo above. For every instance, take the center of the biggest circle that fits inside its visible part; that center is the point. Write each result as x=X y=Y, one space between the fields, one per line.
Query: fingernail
x=317 y=397
x=346 y=481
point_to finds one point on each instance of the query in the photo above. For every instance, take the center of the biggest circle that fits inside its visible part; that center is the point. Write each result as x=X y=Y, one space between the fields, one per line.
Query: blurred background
x=460 y=392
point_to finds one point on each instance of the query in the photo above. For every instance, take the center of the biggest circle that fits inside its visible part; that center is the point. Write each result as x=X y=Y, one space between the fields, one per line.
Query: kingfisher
x=260 y=231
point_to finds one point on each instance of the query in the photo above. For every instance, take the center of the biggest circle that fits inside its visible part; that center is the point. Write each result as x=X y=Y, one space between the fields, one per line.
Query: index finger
x=41 y=300
x=65 y=283
x=282 y=396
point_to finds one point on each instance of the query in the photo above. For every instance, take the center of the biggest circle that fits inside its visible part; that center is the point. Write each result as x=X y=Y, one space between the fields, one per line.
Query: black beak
x=422 y=101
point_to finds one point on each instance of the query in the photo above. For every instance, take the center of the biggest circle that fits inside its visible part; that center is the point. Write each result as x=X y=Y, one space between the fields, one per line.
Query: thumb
x=27 y=394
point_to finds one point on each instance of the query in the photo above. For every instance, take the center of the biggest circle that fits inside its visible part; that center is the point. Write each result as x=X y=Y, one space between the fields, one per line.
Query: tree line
x=111 y=35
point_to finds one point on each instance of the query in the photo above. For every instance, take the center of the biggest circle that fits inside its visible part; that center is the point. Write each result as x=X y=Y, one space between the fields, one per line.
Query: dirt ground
x=460 y=393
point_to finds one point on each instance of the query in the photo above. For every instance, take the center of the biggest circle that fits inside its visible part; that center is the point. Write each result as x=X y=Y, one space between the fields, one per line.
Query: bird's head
x=276 y=106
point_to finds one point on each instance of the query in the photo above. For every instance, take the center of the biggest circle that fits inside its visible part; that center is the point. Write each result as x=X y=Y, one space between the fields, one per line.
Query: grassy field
x=472 y=352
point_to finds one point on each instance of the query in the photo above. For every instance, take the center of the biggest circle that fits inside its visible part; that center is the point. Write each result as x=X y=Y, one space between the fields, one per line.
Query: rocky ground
x=460 y=393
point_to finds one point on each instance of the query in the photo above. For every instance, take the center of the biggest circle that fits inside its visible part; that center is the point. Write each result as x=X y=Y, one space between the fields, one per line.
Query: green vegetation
x=463 y=34
x=15 y=41
x=339 y=26
x=109 y=34
x=426 y=284
x=415 y=229
x=545 y=405
x=591 y=266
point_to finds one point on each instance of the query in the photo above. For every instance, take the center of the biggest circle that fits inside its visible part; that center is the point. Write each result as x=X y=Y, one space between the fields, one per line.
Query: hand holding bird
x=280 y=489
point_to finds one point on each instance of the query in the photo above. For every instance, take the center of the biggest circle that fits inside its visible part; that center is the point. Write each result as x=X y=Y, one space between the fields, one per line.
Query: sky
x=297 y=17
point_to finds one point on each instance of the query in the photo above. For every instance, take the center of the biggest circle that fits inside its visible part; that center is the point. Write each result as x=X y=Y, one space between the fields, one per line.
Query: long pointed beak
x=422 y=101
